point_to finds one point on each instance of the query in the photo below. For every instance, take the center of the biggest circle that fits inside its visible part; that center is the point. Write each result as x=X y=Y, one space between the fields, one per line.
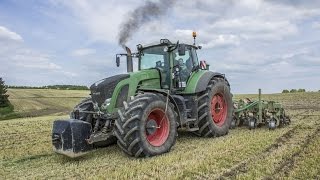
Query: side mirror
x=118 y=61
x=204 y=65
x=182 y=50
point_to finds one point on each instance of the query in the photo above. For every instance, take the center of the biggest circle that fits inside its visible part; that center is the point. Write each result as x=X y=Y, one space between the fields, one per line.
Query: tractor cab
x=175 y=62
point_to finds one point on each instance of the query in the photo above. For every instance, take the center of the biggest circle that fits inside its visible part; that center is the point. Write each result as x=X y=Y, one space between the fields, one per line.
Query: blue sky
x=266 y=44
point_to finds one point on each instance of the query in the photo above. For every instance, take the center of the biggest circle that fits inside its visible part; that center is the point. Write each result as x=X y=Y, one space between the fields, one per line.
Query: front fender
x=128 y=87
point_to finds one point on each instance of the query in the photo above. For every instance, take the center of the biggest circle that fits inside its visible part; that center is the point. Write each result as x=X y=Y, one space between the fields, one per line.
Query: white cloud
x=42 y=65
x=17 y=58
x=222 y=40
x=6 y=34
x=83 y=52
x=100 y=18
x=24 y=58
x=255 y=28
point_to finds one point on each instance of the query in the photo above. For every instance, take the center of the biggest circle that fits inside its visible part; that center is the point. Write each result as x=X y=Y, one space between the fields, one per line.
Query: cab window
x=185 y=63
x=153 y=57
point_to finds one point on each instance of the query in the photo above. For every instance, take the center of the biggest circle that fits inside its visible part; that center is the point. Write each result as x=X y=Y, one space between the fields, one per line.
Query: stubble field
x=291 y=152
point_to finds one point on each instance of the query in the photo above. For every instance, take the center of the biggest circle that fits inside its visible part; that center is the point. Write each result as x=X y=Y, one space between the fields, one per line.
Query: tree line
x=4 y=101
x=294 y=90
x=62 y=87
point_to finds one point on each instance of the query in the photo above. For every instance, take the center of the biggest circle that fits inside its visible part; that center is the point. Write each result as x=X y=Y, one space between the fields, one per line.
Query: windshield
x=154 y=57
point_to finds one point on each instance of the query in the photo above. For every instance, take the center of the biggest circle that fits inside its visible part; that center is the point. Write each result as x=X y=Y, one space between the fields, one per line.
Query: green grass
x=8 y=113
x=285 y=153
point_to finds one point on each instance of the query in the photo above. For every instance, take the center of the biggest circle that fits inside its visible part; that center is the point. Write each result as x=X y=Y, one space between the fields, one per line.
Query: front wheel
x=215 y=109
x=146 y=126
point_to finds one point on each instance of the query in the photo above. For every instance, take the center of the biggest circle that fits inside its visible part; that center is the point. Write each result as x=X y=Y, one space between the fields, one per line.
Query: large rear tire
x=215 y=109
x=146 y=126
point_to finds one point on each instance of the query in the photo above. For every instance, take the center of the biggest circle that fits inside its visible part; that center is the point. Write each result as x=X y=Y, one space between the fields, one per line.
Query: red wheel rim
x=158 y=135
x=219 y=109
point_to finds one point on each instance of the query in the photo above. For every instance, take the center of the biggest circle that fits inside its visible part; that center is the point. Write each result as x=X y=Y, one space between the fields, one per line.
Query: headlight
x=107 y=102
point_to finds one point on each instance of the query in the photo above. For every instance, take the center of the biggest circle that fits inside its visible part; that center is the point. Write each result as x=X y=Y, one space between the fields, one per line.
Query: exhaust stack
x=129 y=60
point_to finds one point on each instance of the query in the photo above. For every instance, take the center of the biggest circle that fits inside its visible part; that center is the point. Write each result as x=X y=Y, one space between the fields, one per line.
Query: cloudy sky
x=268 y=44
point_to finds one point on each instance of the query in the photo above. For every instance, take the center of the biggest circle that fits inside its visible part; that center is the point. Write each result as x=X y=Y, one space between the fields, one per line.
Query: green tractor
x=141 y=111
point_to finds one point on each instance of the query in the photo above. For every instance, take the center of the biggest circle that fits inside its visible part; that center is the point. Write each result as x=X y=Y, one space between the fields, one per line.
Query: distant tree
x=285 y=91
x=4 y=101
x=62 y=87
x=301 y=90
x=293 y=90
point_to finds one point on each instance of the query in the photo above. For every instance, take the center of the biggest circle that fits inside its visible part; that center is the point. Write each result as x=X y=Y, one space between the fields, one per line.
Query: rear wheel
x=146 y=126
x=215 y=109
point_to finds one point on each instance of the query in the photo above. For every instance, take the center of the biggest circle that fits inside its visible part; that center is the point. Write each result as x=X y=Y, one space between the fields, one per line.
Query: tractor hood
x=103 y=89
x=112 y=91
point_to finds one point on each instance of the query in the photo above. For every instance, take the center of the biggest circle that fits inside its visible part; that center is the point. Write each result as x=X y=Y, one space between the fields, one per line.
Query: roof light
x=164 y=41
x=139 y=47
x=194 y=34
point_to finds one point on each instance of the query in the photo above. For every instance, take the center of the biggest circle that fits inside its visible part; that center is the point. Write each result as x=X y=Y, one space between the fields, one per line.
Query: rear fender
x=199 y=81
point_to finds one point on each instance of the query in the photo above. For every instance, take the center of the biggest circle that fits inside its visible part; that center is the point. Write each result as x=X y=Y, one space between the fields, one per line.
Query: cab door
x=183 y=65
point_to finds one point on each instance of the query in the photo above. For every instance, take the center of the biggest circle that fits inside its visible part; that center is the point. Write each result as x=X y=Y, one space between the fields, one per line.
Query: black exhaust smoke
x=141 y=15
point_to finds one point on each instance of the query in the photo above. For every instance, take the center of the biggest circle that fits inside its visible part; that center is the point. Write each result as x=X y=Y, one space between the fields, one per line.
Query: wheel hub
x=151 y=126
x=218 y=109
x=157 y=127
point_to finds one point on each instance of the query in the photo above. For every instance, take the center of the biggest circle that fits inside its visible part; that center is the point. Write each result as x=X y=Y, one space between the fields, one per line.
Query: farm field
x=39 y=102
x=290 y=153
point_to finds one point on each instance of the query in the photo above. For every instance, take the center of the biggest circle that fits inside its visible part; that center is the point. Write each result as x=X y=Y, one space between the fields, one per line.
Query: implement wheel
x=252 y=123
x=234 y=123
x=146 y=126
x=215 y=109
x=272 y=124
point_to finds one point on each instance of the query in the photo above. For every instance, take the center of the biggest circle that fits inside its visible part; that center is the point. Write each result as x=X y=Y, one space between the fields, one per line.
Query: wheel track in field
x=242 y=166
x=280 y=141
x=288 y=163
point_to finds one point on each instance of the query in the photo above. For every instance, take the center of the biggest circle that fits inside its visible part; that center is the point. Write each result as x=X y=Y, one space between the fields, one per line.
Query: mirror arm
x=172 y=48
